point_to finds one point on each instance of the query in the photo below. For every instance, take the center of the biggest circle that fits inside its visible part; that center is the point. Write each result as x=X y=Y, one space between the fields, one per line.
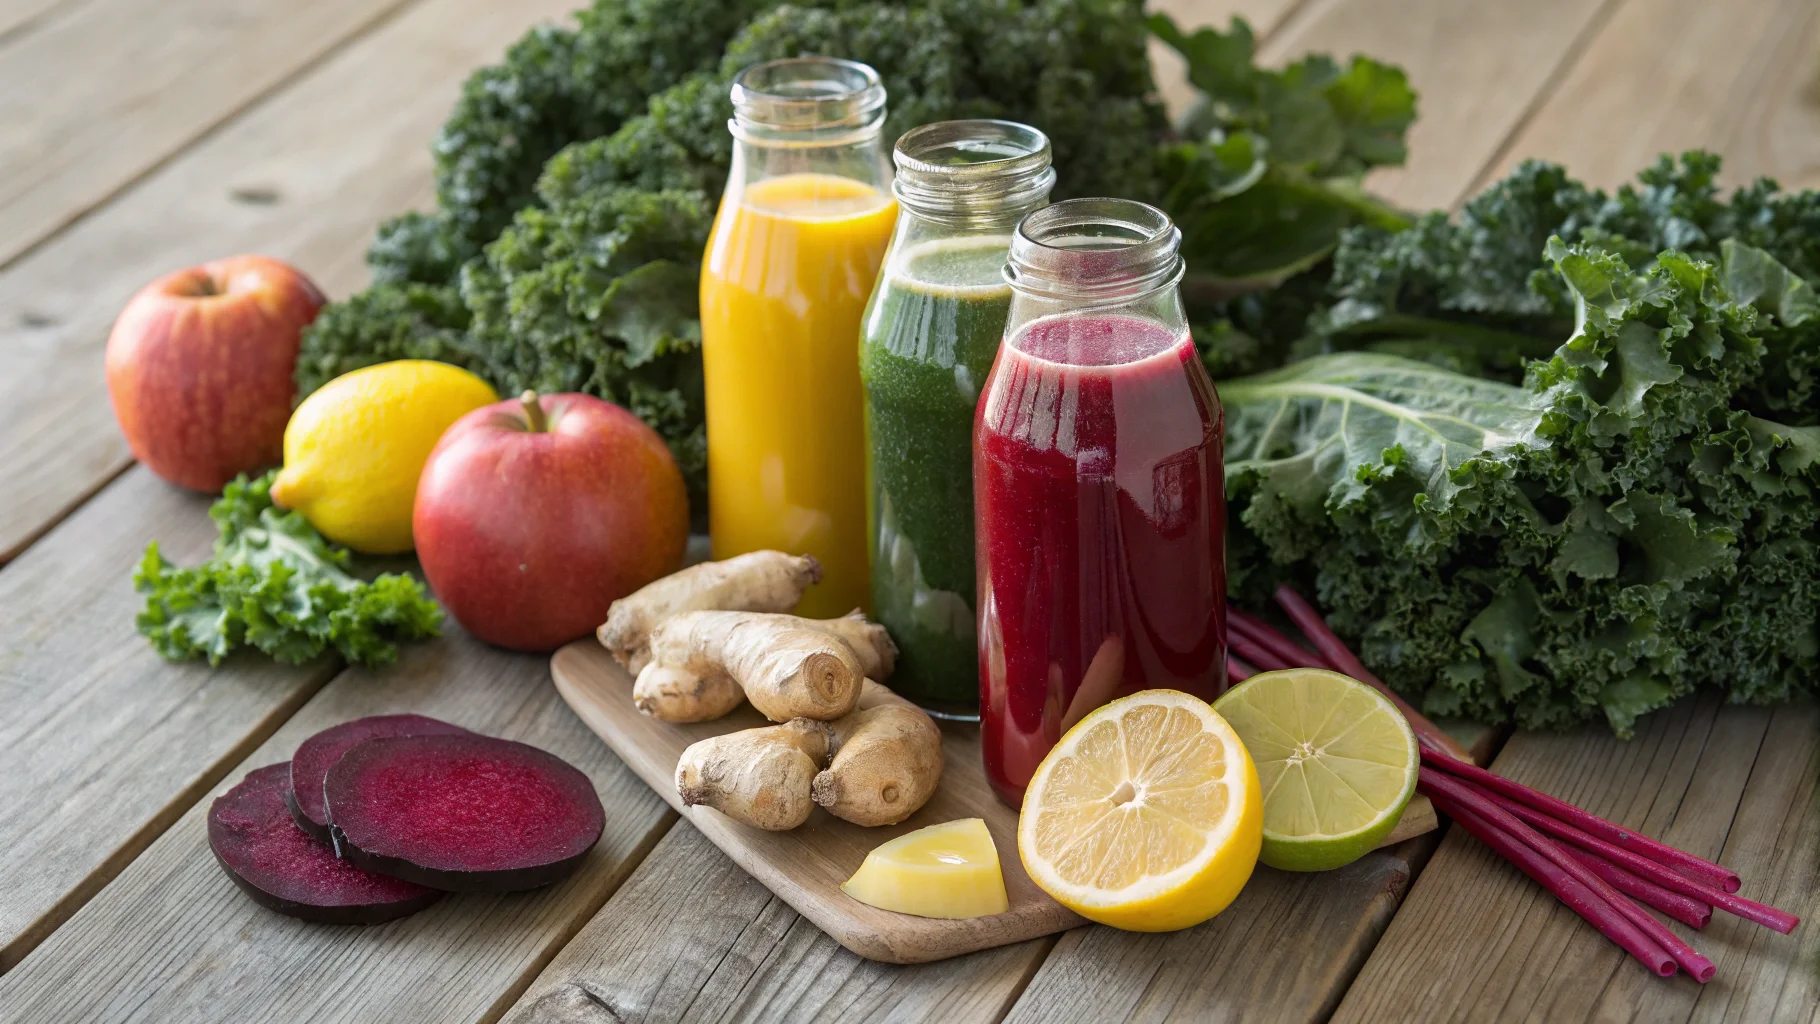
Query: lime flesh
x=1337 y=761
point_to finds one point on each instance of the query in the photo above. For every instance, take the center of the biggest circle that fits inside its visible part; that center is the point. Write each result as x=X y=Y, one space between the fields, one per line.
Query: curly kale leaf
x=418 y=248
x=599 y=293
x=1623 y=532
x=557 y=86
x=274 y=584
x=383 y=323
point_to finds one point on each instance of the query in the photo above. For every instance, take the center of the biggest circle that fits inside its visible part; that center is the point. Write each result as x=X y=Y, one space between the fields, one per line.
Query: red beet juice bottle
x=1099 y=501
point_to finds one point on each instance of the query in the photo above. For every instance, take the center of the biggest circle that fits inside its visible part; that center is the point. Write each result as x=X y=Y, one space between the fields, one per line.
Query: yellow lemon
x=353 y=450
x=1146 y=816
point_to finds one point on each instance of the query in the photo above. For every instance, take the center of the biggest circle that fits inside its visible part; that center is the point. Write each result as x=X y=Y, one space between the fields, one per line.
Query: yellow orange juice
x=784 y=282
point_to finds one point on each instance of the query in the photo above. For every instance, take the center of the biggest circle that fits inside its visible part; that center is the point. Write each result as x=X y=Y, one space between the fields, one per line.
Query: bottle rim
x=1095 y=250
x=807 y=101
x=973 y=169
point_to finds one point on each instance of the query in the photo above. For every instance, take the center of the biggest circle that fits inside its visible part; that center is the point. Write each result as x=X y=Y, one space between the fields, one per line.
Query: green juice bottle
x=928 y=340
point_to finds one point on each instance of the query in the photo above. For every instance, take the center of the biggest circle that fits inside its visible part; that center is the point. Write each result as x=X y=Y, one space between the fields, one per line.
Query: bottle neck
x=1096 y=256
x=808 y=116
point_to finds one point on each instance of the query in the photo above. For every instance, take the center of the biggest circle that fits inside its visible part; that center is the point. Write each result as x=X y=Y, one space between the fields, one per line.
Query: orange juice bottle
x=792 y=259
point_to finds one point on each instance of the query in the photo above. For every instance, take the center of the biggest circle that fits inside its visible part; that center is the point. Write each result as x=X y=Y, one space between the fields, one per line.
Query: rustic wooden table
x=139 y=137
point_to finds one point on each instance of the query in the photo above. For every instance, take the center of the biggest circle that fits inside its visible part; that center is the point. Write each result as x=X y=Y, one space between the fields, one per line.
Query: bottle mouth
x=807 y=101
x=972 y=169
x=1095 y=249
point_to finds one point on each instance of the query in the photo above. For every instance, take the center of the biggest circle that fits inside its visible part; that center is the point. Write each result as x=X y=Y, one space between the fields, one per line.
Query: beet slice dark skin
x=313 y=758
x=463 y=813
x=273 y=861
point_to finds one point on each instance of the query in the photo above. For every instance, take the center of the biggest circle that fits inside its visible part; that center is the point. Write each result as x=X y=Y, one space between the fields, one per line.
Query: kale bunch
x=597 y=293
x=274 y=584
x=1616 y=530
x=387 y=321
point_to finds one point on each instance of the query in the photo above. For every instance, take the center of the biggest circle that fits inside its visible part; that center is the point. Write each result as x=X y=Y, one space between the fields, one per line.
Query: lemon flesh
x=354 y=449
x=1146 y=816
x=949 y=870
x=1337 y=760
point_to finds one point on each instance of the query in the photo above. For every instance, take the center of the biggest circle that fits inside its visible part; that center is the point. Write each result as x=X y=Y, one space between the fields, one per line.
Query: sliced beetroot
x=274 y=862
x=464 y=813
x=312 y=760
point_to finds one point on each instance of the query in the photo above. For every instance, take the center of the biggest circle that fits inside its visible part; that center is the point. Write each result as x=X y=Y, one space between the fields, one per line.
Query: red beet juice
x=1101 y=530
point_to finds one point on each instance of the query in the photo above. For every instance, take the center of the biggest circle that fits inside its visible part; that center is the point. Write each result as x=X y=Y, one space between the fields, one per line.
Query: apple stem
x=534 y=412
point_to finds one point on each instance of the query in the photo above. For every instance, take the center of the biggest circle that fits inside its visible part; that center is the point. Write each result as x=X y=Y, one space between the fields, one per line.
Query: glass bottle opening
x=807 y=101
x=973 y=170
x=1095 y=249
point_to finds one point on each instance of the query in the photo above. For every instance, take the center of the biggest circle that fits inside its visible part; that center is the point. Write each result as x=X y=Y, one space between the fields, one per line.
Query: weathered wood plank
x=17 y=16
x=1670 y=75
x=692 y=937
x=98 y=93
x=1478 y=940
x=1477 y=66
x=328 y=158
x=173 y=939
x=102 y=744
x=1284 y=951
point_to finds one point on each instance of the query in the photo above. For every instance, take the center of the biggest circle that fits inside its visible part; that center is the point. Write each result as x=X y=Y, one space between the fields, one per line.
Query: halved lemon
x=1337 y=760
x=1146 y=816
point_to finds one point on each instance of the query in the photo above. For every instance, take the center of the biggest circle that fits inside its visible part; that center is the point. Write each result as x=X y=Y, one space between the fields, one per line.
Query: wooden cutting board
x=805 y=867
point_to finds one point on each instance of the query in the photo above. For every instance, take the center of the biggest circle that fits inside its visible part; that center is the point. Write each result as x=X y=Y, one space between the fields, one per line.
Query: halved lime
x=1336 y=759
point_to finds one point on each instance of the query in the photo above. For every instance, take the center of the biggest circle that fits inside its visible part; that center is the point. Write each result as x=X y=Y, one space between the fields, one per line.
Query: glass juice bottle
x=795 y=250
x=929 y=338
x=1100 y=511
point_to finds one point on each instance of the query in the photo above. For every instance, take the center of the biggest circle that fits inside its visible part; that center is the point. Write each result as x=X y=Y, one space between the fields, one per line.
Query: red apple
x=199 y=368
x=535 y=514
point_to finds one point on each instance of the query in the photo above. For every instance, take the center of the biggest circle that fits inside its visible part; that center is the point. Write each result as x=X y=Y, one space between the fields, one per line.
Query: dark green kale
x=418 y=247
x=598 y=293
x=1595 y=542
x=383 y=323
x=275 y=585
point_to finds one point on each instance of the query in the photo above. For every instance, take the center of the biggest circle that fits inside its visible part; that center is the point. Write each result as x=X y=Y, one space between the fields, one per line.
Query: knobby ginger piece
x=760 y=777
x=788 y=667
x=762 y=581
x=887 y=760
x=673 y=694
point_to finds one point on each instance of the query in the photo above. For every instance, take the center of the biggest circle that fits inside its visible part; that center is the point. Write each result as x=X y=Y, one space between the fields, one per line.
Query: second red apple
x=536 y=514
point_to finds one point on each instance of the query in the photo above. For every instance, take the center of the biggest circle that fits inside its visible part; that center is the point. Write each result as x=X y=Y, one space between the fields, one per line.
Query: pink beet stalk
x=1578 y=897
x=1750 y=910
x=1259 y=632
x=1237 y=671
x=1685 y=909
x=1460 y=794
x=1254 y=652
x=1338 y=655
x=1699 y=869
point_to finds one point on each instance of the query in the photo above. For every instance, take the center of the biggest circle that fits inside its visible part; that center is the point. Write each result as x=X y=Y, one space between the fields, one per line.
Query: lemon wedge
x=1146 y=816
x=948 y=870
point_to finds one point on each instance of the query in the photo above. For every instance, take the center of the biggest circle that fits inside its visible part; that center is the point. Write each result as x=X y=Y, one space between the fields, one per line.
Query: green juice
x=928 y=343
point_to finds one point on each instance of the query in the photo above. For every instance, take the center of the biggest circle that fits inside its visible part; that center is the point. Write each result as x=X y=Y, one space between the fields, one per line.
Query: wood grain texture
x=172 y=938
x=692 y=936
x=95 y=95
x=1741 y=79
x=326 y=159
x=1477 y=66
x=1283 y=951
x=18 y=16
x=102 y=743
x=806 y=866
x=1477 y=940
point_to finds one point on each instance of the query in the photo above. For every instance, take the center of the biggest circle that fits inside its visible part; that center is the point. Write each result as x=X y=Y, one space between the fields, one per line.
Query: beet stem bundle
x=1593 y=865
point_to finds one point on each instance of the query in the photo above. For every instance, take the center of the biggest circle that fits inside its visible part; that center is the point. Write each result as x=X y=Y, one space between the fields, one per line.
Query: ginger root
x=788 y=667
x=762 y=581
x=758 y=776
x=887 y=760
x=673 y=694
x=882 y=763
